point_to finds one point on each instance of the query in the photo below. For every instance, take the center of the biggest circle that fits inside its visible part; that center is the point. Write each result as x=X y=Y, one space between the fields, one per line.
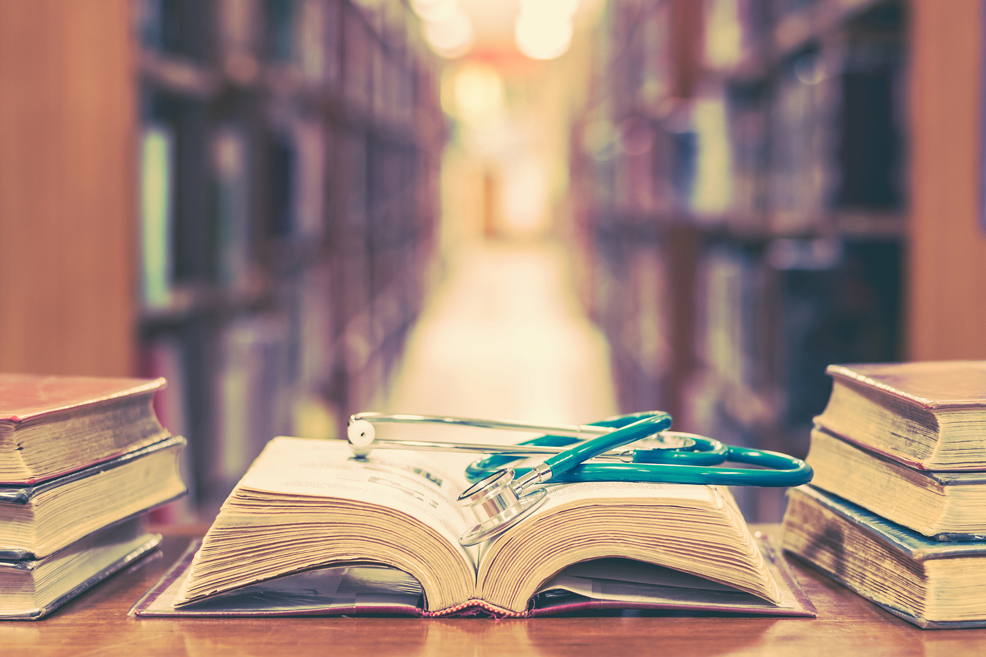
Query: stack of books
x=81 y=460
x=896 y=508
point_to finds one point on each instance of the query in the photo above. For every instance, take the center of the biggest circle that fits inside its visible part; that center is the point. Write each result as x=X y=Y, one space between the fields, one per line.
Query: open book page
x=692 y=529
x=624 y=583
x=305 y=504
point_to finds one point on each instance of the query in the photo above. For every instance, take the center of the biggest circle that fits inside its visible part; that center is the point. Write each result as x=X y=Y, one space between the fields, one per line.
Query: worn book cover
x=930 y=384
x=33 y=589
x=928 y=415
x=930 y=583
x=54 y=425
x=31 y=398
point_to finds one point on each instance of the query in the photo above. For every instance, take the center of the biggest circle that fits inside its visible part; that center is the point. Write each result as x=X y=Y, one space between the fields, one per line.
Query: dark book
x=930 y=583
x=53 y=425
x=34 y=589
x=232 y=203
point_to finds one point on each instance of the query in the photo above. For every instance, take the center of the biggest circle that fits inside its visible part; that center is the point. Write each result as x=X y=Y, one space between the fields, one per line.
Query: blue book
x=932 y=584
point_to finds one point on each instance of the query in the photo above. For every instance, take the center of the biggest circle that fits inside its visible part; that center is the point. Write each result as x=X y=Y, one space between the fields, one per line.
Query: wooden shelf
x=810 y=26
x=857 y=224
x=201 y=299
x=179 y=76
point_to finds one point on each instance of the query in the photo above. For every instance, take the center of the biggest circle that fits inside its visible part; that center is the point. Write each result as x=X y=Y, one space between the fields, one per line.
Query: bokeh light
x=447 y=28
x=544 y=27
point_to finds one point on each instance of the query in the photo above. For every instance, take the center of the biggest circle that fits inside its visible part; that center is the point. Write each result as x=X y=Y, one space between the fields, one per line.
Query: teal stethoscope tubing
x=675 y=466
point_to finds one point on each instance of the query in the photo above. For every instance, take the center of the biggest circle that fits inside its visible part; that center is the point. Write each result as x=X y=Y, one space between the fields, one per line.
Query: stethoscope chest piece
x=497 y=505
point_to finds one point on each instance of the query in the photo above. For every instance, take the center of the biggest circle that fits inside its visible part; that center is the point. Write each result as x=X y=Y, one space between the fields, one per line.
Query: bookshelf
x=289 y=168
x=742 y=207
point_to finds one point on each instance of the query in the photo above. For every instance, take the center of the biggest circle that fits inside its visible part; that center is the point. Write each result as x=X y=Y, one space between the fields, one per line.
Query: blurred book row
x=288 y=193
x=739 y=169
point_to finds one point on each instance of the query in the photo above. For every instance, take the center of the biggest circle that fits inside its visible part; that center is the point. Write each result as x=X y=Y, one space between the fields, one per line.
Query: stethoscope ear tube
x=692 y=463
x=779 y=470
x=700 y=451
x=571 y=458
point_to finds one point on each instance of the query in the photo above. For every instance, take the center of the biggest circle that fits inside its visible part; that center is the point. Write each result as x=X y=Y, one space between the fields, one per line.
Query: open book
x=306 y=505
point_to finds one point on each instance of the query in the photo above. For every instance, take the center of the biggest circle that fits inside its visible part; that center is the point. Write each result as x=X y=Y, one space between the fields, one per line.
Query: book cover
x=927 y=415
x=915 y=546
x=932 y=385
x=158 y=146
x=133 y=551
x=53 y=425
x=932 y=584
x=32 y=398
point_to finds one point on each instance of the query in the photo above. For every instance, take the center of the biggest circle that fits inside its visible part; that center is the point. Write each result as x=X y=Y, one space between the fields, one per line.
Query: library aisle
x=503 y=336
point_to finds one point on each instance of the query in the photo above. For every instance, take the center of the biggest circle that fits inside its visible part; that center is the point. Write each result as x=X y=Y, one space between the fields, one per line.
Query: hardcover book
x=930 y=583
x=306 y=506
x=942 y=505
x=36 y=521
x=929 y=415
x=53 y=425
x=33 y=589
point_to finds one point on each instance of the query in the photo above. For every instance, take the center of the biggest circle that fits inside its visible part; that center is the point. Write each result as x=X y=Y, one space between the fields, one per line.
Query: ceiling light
x=541 y=36
x=451 y=37
x=556 y=8
x=434 y=11
x=478 y=91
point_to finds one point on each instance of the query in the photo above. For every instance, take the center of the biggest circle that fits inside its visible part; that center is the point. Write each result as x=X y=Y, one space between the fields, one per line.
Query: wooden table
x=97 y=624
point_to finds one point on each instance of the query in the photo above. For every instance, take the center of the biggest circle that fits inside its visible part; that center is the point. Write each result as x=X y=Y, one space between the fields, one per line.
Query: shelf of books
x=288 y=196
x=739 y=171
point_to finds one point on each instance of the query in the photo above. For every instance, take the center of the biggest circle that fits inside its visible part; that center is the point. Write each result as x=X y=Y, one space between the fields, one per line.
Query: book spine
x=157 y=224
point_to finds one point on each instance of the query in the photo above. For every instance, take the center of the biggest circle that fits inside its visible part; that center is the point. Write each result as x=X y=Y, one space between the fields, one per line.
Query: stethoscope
x=501 y=496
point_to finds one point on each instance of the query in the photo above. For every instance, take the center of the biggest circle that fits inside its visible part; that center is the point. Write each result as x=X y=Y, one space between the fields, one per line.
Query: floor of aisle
x=504 y=336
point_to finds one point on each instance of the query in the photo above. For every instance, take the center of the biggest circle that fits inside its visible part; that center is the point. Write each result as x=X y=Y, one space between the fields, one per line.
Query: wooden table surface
x=97 y=624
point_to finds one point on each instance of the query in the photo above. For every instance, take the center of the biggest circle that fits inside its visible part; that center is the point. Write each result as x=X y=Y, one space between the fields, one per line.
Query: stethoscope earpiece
x=361 y=434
